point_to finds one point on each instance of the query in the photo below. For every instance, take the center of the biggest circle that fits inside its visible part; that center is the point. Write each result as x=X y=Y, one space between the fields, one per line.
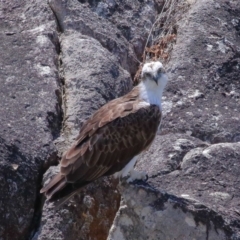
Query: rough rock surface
x=64 y=59
x=29 y=114
x=167 y=152
x=204 y=203
x=122 y=27
x=97 y=61
x=92 y=77
x=203 y=94
x=196 y=158
x=88 y=215
x=146 y=213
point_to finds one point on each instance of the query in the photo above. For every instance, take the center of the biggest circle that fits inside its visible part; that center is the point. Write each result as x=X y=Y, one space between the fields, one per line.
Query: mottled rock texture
x=62 y=60
x=30 y=114
x=96 y=64
x=196 y=157
x=147 y=213
x=88 y=215
x=200 y=198
x=204 y=71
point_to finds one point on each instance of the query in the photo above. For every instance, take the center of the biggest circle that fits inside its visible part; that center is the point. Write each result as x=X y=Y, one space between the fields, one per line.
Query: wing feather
x=107 y=142
x=119 y=140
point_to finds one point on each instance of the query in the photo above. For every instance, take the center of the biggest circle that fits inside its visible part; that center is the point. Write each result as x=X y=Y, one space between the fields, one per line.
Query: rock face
x=96 y=64
x=207 y=207
x=30 y=114
x=196 y=158
x=62 y=60
x=204 y=72
x=92 y=77
x=88 y=215
x=146 y=213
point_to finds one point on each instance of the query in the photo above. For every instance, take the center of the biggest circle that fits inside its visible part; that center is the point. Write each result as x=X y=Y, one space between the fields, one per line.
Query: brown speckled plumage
x=108 y=140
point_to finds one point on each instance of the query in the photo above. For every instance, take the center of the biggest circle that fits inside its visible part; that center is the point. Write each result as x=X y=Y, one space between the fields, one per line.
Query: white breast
x=151 y=95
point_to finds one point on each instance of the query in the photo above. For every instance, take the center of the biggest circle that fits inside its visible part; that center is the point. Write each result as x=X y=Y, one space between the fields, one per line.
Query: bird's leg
x=129 y=174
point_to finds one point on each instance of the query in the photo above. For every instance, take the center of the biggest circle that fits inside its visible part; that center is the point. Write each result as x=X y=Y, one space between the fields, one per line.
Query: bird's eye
x=147 y=75
x=161 y=70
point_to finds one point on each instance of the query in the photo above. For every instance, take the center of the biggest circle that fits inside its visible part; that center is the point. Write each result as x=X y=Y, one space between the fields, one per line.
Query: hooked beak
x=155 y=79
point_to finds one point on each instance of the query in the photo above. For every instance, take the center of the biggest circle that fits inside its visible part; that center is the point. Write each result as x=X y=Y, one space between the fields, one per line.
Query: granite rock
x=147 y=213
x=30 y=112
x=96 y=64
x=196 y=156
x=62 y=60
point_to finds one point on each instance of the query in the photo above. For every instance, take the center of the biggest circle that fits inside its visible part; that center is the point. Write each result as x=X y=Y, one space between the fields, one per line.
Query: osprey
x=112 y=138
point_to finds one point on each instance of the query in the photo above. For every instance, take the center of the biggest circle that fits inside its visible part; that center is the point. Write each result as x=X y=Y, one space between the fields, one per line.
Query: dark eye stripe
x=147 y=74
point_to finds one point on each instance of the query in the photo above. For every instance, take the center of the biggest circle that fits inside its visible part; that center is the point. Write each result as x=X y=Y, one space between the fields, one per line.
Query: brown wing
x=119 y=107
x=112 y=146
x=107 y=142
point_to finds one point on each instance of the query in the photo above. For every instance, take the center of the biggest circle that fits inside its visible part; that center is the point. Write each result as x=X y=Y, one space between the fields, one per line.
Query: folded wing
x=116 y=133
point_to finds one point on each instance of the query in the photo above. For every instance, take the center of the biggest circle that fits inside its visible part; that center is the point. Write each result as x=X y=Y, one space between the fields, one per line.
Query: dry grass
x=161 y=49
x=163 y=34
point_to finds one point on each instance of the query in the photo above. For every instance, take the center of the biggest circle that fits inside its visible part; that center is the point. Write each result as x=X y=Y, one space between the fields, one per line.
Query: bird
x=111 y=140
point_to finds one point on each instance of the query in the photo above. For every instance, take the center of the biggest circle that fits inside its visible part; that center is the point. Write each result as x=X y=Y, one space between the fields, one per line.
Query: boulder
x=203 y=92
x=30 y=112
x=62 y=60
x=147 y=213
x=96 y=64
x=195 y=159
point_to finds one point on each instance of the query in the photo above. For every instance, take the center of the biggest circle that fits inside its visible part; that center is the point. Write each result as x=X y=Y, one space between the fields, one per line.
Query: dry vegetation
x=163 y=33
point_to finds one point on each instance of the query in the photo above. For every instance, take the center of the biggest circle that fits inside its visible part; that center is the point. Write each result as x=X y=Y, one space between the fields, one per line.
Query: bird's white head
x=153 y=75
x=154 y=80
